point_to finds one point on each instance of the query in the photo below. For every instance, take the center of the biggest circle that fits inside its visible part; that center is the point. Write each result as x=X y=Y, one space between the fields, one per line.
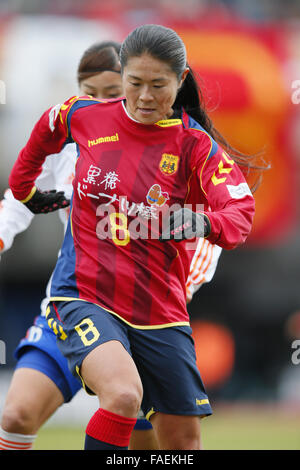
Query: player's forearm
x=45 y=139
x=6 y=239
x=231 y=225
x=14 y=219
x=230 y=200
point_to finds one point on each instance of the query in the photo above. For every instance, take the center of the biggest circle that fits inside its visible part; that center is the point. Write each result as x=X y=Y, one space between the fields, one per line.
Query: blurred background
x=247 y=57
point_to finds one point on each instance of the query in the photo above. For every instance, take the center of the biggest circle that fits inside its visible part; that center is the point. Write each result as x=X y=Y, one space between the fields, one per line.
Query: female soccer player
x=42 y=381
x=118 y=301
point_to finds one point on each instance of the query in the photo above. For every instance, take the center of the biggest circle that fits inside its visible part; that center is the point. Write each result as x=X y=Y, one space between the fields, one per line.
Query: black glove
x=43 y=202
x=185 y=224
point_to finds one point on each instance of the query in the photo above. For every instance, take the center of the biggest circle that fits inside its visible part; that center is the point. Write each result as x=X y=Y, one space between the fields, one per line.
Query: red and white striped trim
x=14 y=441
x=203 y=266
x=12 y=445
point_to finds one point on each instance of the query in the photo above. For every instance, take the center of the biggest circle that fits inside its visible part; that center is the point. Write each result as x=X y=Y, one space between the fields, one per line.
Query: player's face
x=150 y=87
x=103 y=85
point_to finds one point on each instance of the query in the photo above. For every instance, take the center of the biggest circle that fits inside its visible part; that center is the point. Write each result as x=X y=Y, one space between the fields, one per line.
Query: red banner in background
x=242 y=79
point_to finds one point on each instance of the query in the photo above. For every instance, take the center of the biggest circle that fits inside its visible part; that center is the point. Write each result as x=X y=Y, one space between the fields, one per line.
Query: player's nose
x=145 y=94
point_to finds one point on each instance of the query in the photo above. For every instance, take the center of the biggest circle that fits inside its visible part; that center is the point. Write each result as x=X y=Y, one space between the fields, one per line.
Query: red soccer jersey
x=127 y=174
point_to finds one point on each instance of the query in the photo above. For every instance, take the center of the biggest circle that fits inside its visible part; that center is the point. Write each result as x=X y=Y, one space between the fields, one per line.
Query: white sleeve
x=45 y=180
x=14 y=216
x=63 y=169
x=203 y=266
x=14 y=219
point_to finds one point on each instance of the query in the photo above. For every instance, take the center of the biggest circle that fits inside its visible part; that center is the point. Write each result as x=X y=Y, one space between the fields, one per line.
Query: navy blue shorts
x=165 y=358
x=39 y=351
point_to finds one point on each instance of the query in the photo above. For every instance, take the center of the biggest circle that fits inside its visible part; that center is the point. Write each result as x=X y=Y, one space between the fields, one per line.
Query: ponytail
x=190 y=98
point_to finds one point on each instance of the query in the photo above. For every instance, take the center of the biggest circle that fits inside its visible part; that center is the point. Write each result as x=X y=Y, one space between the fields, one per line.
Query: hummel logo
x=204 y=401
x=101 y=140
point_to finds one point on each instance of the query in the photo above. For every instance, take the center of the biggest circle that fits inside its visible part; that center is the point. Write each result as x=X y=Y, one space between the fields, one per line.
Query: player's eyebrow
x=107 y=87
x=159 y=79
x=89 y=86
x=111 y=87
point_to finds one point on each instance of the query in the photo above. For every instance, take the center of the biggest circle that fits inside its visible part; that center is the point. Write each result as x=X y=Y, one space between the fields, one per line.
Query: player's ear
x=183 y=77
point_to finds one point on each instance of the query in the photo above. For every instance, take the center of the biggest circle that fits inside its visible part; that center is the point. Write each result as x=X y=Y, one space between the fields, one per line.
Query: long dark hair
x=99 y=57
x=164 y=44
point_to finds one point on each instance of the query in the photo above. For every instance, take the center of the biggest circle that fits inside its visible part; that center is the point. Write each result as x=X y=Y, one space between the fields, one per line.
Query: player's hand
x=43 y=202
x=185 y=224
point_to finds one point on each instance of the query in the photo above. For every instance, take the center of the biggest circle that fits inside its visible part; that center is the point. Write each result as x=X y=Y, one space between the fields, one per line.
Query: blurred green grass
x=229 y=428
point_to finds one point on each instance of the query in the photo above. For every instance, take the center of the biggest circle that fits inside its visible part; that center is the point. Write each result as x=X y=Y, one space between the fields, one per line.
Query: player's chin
x=148 y=117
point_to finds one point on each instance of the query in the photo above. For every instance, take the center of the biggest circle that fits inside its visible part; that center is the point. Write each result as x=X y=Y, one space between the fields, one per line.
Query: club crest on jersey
x=156 y=197
x=168 y=164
